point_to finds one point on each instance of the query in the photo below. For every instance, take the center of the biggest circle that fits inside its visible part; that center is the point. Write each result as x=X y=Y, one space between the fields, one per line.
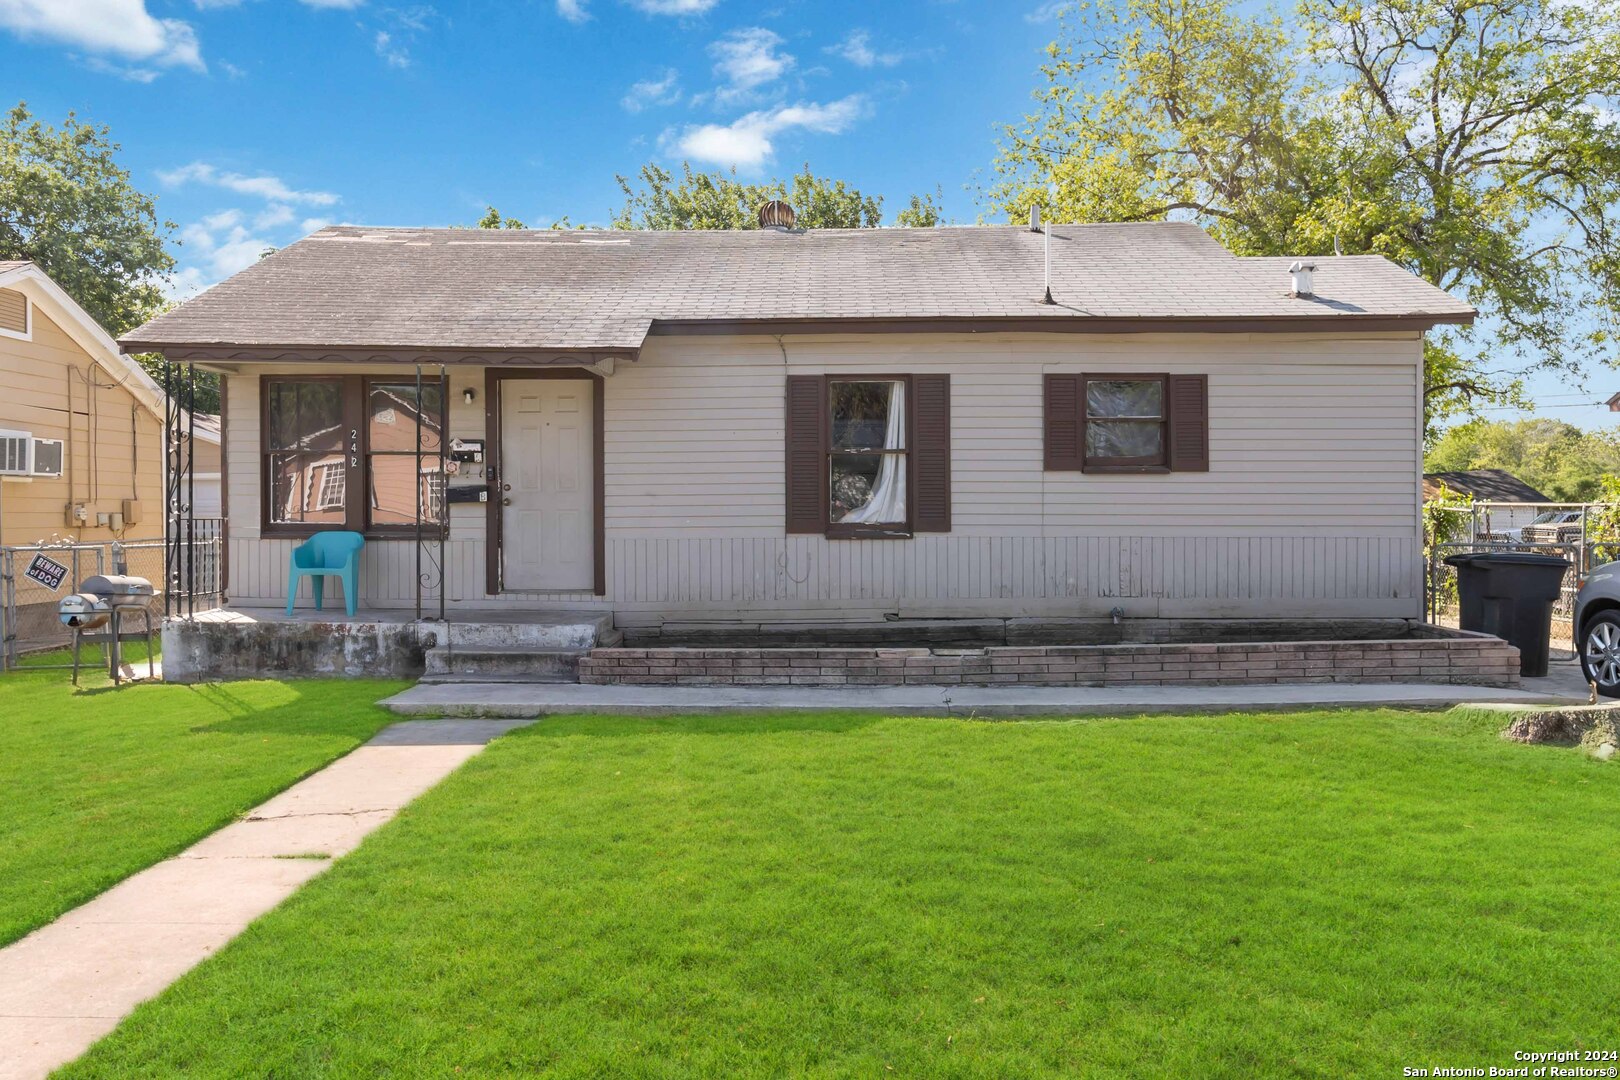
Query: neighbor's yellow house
x=81 y=428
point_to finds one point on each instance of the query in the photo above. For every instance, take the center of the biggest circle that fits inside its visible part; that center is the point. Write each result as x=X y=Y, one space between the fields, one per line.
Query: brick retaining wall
x=1448 y=656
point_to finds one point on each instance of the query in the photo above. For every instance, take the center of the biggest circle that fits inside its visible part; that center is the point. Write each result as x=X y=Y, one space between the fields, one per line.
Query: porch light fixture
x=469 y=395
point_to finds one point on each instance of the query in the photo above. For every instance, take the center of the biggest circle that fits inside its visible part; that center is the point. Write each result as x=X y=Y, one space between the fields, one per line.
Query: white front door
x=548 y=529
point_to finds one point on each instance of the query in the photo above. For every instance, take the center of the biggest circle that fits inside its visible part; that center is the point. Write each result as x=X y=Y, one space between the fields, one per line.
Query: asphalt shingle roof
x=465 y=288
x=1489 y=485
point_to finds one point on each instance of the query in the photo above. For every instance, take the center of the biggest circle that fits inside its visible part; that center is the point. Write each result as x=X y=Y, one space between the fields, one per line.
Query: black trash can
x=1511 y=594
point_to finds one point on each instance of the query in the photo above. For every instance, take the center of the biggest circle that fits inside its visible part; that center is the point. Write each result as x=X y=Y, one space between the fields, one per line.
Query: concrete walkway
x=1562 y=686
x=67 y=984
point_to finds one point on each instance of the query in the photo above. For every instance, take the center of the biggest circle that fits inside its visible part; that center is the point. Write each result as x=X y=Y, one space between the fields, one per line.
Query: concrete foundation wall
x=207 y=651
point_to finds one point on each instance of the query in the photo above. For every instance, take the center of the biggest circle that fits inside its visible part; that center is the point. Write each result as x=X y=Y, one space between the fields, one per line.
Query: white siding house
x=1304 y=503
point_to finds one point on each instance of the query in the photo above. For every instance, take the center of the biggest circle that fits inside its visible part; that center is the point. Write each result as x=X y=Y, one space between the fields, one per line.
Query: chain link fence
x=1441 y=587
x=1579 y=532
x=35 y=577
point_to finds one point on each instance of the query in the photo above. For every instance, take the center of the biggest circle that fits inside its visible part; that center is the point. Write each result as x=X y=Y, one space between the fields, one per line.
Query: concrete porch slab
x=1563 y=686
x=241 y=642
x=333 y=614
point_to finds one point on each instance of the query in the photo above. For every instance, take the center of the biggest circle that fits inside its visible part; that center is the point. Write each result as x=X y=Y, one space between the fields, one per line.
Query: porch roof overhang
x=222 y=354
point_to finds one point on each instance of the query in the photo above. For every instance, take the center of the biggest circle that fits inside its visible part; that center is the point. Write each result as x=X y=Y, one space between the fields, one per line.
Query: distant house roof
x=349 y=287
x=206 y=427
x=1485 y=485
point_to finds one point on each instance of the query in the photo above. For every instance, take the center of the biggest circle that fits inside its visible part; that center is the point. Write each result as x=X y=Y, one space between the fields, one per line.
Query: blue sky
x=257 y=121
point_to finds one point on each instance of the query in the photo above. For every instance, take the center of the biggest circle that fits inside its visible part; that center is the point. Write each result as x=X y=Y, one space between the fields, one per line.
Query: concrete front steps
x=541 y=652
x=502 y=664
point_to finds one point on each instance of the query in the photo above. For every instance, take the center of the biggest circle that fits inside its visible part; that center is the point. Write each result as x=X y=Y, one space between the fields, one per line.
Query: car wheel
x=1600 y=652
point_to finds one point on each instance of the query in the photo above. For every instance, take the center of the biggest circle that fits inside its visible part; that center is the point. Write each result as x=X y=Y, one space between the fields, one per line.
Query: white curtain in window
x=888 y=502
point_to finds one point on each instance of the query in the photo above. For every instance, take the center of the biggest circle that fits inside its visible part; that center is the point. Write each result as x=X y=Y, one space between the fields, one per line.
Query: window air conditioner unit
x=16 y=453
x=47 y=458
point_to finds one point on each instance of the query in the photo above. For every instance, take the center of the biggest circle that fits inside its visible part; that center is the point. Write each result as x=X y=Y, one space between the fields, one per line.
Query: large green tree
x=1474 y=142
x=492 y=219
x=1557 y=459
x=67 y=205
x=657 y=198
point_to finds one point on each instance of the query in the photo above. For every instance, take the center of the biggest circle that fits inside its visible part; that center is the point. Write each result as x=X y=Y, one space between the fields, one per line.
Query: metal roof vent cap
x=777 y=215
x=1302 y=286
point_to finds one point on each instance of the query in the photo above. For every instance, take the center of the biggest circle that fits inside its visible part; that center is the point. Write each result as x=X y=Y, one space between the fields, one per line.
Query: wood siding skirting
x=1146 y=576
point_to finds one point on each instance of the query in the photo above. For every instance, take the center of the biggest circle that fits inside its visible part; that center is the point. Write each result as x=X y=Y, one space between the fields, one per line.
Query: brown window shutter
x=1189 y=423
x=1063 y=422
x=931 y=452
x=806 y=423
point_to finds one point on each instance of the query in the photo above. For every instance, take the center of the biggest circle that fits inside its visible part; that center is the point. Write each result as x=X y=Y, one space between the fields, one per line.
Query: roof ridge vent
x=776 y=215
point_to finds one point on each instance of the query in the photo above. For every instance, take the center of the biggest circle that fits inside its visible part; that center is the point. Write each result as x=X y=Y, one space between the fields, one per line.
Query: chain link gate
x=28 y=617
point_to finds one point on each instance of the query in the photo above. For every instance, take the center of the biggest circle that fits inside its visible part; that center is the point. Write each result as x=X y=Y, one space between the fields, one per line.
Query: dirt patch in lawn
x=1595 y=728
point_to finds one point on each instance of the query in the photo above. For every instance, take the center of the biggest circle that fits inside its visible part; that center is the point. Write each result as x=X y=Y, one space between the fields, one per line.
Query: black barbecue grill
x=102 y=602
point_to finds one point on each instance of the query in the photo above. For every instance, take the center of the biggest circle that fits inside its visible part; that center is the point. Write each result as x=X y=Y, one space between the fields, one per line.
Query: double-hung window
x=307 y=453
x=1125 y=422
x=351 y=453
x=868 y=456
x=398 y=424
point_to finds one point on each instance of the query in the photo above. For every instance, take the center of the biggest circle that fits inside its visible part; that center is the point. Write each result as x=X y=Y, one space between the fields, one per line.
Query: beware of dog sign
x=47 y=571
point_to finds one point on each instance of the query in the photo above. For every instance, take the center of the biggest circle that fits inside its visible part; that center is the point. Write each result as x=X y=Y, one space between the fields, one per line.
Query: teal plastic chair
x=329 y=553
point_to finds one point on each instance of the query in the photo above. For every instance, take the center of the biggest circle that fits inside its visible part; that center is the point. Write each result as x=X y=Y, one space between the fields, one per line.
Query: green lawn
x=1330 y=894
x=101 y=782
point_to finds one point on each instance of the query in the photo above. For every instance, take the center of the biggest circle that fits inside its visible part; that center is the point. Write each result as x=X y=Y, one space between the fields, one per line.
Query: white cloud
x=748 y=59
x=131 y=72
x=673 y=7
x=1048 y=12
x=220 y=245
x=273 y=215
x=664 y=91
x=265 y=187
x=338 y=5
x=747 y=141
x=393 y=55
x=121 y=28
x=857 y=49
x=185 y=283
x=415 y=18
x=226 y=242
x=576 y=11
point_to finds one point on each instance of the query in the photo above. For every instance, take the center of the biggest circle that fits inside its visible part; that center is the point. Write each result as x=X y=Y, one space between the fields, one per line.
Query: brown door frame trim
x=493 y=377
